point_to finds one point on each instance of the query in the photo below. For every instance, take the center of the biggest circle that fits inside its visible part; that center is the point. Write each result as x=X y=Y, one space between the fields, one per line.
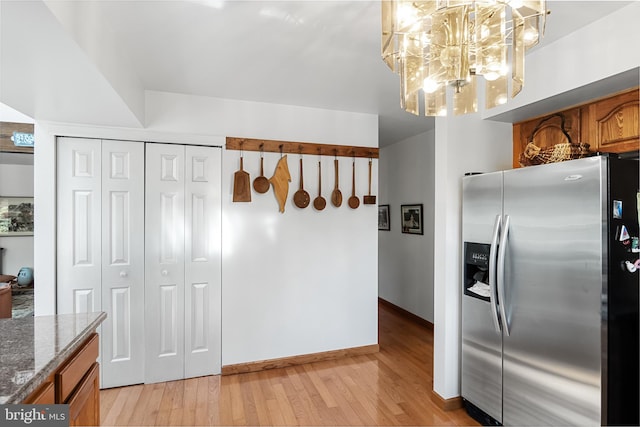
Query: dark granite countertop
x=31 y=348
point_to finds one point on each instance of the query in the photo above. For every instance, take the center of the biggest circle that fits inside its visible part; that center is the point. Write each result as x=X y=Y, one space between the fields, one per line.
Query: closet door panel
x=78 y=222
x=122 y=263
x=202 y=261
x=164 y=262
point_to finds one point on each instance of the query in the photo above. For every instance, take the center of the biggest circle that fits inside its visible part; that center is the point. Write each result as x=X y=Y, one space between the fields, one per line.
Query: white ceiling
x=323 y=54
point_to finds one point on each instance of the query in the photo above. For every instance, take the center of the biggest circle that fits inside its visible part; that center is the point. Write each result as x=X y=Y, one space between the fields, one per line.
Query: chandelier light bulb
x=530 y=36
x=494 y=70
x=407 y=15
x=430 y=85
x=491 y=76
x=450 y=56
x=484 y=32
x=516 y=4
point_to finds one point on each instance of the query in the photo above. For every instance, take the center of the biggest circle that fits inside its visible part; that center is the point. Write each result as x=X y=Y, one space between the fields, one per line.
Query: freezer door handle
x=492 y=272
x=502 y=250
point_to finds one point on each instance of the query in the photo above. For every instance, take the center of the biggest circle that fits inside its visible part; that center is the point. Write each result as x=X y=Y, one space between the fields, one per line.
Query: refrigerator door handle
x=492 y=272
x=502 y=250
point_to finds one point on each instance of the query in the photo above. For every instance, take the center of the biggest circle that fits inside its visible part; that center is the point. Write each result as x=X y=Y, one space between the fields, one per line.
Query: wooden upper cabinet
x=545 y=132
x=609 y=125
x=614 y=123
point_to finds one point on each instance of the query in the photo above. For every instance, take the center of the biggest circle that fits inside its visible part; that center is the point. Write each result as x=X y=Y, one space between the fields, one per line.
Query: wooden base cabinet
x=76 y=382
x=44 y=395
x=84 y=404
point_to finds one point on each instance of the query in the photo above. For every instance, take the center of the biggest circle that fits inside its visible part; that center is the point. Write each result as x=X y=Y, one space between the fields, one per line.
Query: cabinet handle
x=164 y=273
x=123 y=274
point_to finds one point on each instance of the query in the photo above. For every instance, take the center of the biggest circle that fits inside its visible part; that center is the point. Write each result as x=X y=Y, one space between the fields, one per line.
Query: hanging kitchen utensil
x=336 y=195
x=354 y=202
x=261 y=183
x=301 y=198
x=319 y=202
x=369 y=199
x=241 y=183
x=280 y=181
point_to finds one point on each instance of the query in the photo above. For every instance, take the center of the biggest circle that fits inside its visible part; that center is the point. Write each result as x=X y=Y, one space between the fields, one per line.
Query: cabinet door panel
x=44 y=395
x=84 y=404
x=617 y=123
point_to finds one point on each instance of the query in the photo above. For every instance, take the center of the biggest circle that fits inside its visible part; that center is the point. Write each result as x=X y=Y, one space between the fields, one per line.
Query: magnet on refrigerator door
x=617 y=209
x=624 y=235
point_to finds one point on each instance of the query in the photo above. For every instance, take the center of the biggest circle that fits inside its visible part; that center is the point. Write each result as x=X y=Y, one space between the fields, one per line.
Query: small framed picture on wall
x=411 y=216
x=16 y=216
x=383 y=218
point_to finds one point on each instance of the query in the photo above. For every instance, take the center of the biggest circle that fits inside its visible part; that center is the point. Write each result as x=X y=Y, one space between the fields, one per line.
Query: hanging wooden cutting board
x=241 y=184
x=280 y=181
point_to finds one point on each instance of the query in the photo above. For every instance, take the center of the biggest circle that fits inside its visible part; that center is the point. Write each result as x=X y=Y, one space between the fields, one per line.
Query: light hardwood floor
x=391 y=387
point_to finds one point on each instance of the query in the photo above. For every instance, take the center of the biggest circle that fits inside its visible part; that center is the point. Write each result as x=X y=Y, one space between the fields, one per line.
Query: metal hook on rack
x=281 y=146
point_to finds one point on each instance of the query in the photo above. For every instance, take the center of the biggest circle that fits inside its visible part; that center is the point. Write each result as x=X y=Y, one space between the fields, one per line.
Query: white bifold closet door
x=100 y=243
x=182 y=262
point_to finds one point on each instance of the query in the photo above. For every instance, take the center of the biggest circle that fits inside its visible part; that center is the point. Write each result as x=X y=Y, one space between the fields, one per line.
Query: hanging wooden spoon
x=301 y=198
x=336 y=195
x=319 y=202
x=261 y=183
x=354 y=202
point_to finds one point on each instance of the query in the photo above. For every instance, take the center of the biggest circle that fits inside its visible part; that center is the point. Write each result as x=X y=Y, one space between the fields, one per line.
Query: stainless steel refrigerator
x=550 y=294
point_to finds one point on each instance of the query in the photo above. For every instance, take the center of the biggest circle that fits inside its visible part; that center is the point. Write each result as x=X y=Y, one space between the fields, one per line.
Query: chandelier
x=438 y=44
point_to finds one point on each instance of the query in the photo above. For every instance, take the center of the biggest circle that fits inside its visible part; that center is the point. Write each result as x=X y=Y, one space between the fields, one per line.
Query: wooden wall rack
x=6 y=132
x=247 y=144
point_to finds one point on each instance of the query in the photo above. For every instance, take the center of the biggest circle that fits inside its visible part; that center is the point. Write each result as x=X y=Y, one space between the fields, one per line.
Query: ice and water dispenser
x=476 y=270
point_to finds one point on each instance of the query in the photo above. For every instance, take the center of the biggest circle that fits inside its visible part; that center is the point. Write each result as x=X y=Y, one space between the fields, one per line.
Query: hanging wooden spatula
x=369 y=199
x=241 y=184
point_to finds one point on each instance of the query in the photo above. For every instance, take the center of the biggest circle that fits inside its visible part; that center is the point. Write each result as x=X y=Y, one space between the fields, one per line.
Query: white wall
x=468 y=143
x=405 y=261
x=293 y=283
x=16 y=181
x=83 y=22
x=462 y=144
x=56 y=78
x=8 y=114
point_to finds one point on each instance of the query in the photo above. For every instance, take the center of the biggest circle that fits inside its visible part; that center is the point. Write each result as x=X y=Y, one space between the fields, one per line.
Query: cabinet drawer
x=44 y=395
x=69 y=375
